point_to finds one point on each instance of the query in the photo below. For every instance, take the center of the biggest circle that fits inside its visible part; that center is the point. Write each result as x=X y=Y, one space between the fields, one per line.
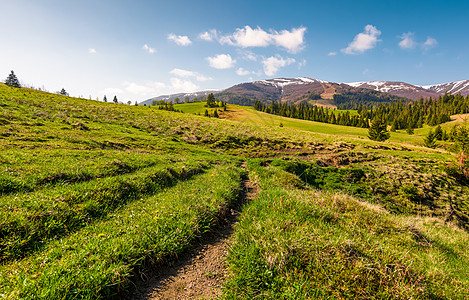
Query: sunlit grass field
x=91 y=192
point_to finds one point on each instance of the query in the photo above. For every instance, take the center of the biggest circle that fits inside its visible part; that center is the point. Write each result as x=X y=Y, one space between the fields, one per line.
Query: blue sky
x=140 y=49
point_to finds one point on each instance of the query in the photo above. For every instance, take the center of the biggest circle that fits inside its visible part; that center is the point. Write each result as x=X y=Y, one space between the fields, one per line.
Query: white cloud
x=242 y=72
x=148 y=49
x=92 y=51
x=209 y=35
x=430 y=43
x=247 y=37
x=186 y=73
x=274 y=63
x=181 y=40
x=292 y=41
x=363 y=41
x=407 y=41
x=221 y=61
x=181 y=85
x=332 y=53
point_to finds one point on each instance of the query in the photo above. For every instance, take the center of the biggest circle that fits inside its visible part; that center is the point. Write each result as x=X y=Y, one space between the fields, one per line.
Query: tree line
x=310 y=112
x=398 y=115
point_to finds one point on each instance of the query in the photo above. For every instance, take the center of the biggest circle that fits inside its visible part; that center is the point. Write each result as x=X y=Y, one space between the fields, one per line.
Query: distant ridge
x=317 y=91
x=181 y=96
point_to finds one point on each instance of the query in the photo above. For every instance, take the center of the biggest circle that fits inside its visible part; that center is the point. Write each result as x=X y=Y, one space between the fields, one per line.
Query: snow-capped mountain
x=320 y=92
x=454 y=87
x=280 y=89
x=397 y=88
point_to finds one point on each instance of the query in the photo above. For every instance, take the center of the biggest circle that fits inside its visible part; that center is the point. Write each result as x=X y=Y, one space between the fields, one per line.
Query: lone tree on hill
x=12 y=80
x=63 y=92
x=105 y=99
x=211 y=100
x=378 y=131
x=115 y=99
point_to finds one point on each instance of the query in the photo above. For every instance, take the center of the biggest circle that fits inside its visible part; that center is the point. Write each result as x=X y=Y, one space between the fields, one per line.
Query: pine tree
x=211 y=100
x=63 y=92
x=215 y=114
x=105 y=99
x=378 y=131
x=430 y=140
x=410 y=129
x=206 y=113
x=115 y=99
x=438 y=133
x=12 y=80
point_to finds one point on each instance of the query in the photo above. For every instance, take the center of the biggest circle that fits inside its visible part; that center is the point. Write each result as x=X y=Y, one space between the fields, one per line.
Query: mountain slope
x=397 y=88
x=181 y=96
x=454 y=87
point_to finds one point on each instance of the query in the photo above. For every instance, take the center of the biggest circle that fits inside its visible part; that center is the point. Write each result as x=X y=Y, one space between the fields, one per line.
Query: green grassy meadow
x=92 y=192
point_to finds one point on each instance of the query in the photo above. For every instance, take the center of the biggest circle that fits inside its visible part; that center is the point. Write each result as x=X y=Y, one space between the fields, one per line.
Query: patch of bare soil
x=460 y=118
x=329 y=91
x=199 y=274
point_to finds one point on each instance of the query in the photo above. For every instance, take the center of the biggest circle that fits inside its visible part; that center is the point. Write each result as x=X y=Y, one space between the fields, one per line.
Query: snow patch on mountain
x=454 y=87
x=282 y=82
x=381 y=86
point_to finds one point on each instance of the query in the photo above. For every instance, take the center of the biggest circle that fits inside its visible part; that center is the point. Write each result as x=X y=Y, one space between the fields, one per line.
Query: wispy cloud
x=407 y=41
x=430 y=43
x=247 y=55
x=148 y=49
x=92 y=51
x=181 y=40
x=332 y=53
x=209 y=35
x=291 y=40
x=190 y=74
x=221 y=61
x=302 y=63
x=363 y=41
x=274 y=63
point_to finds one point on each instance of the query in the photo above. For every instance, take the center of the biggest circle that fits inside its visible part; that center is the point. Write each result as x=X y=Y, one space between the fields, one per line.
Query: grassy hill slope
x=90 y=192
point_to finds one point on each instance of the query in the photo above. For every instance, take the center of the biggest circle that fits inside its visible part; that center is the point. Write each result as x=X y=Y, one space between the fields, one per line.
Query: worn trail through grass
x=200 y=273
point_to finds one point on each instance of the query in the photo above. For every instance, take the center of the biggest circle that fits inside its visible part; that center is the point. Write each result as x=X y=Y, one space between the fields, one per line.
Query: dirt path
x=201 y=273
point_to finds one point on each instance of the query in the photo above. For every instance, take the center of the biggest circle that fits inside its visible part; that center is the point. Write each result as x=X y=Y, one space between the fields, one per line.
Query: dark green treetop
x=378 y=131
x=12 y=80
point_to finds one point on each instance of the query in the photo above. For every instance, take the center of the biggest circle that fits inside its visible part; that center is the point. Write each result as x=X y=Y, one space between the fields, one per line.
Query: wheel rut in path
x=200 y=273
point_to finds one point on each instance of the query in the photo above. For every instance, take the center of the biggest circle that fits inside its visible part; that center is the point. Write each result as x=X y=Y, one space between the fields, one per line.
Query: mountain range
x=320 y=92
